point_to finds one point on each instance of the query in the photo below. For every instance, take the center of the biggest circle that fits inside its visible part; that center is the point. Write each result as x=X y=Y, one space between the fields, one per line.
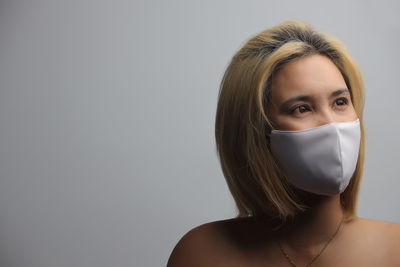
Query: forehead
x=312 y=75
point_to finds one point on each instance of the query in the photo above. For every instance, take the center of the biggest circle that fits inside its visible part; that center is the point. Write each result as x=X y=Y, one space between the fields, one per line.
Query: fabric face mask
x=319 y=160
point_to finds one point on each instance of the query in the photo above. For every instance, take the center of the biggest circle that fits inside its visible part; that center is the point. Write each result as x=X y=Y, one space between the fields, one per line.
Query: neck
x=316 y=225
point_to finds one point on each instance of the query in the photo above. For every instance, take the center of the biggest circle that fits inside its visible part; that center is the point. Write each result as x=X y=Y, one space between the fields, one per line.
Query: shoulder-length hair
x=242 y=127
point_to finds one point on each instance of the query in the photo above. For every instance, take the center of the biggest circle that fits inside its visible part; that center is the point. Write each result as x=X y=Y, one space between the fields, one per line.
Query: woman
x=290 y=138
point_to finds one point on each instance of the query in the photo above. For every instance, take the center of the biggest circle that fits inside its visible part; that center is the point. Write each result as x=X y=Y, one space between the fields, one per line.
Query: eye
x=300 y=109
x=341 y=101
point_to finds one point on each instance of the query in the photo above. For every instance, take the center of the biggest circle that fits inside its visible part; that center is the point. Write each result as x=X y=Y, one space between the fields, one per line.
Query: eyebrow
x=306 y=98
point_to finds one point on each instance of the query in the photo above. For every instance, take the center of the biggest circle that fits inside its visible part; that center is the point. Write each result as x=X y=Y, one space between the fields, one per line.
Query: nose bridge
x=326 y=116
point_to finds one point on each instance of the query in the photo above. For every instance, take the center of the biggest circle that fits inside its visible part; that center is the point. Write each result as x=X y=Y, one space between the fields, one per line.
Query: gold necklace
x=316 y=256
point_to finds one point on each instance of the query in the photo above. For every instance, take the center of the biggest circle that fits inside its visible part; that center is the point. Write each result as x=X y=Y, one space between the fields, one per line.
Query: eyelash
x=345 y=103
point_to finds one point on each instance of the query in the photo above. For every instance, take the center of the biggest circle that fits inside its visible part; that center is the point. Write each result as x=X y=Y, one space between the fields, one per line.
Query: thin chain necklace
x=316 y=256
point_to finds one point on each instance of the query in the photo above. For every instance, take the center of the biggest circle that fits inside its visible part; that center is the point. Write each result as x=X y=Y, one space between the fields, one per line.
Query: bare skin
x=243 y=242
x=318 y=95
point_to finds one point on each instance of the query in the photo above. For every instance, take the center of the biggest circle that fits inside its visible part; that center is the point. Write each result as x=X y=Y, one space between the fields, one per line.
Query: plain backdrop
x=107 y=152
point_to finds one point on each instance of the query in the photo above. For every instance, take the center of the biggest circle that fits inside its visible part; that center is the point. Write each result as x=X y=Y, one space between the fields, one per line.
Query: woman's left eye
x=341 y=101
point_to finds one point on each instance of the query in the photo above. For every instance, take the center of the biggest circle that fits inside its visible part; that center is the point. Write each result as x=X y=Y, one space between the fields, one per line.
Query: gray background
x=107 y=115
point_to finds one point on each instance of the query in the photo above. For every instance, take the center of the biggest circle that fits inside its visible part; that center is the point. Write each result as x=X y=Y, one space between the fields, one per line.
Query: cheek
x=286 y=123
x=352 y=114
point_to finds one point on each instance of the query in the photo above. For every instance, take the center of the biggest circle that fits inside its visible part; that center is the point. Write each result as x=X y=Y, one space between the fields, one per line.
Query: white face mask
x=319 y=160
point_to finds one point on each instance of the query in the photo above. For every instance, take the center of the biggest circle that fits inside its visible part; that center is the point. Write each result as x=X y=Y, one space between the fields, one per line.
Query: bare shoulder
x=219 y=243
x=387 y=230
x=384 y=237
x=189 y=248
x=200 y=246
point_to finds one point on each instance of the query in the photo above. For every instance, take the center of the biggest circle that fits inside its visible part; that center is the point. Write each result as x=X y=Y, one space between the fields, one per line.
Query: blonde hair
x=242 y=127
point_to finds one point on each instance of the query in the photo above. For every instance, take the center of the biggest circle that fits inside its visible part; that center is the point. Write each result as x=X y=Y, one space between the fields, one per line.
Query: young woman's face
x=309 y=92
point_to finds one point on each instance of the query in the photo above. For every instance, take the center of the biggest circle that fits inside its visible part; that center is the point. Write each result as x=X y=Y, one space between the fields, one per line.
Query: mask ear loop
x=269 y=125
x=265 y=103
x=268 y=132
